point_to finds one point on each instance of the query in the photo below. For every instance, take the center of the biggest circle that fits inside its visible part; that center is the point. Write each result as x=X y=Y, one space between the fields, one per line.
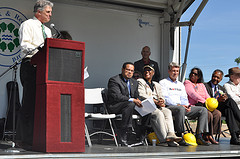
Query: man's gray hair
x=173 y=64
x=41 y=4
x=147 y=47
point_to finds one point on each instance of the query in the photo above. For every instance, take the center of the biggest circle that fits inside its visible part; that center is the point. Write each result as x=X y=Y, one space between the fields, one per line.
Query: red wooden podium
x=59 y=109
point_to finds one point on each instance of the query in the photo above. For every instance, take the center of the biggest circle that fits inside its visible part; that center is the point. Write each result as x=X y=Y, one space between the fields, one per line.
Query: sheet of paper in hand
x=148 y=107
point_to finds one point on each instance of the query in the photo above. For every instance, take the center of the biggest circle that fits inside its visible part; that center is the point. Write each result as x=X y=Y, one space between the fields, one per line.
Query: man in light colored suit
x=233 y=85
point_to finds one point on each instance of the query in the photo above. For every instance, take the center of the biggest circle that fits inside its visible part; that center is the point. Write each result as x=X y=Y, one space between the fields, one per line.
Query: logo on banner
x=10 y=21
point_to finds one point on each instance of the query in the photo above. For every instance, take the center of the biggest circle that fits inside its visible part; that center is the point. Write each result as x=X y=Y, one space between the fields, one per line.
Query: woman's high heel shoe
x=212 y=140
x=206 y=138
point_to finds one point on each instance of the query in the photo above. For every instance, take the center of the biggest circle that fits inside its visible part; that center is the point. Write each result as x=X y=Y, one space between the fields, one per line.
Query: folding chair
x=217 y=137
x=94 y=97
x=188 y=126
x=86 y=132
x=118 y=117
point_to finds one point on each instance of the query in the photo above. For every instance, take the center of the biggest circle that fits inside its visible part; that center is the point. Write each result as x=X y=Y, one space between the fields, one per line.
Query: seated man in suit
x=177 y=101
x=123 y=97
x=226 y=105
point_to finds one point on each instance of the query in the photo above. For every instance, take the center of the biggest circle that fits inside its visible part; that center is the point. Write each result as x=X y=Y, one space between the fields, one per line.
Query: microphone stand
x=58 y=33
x=14 y=67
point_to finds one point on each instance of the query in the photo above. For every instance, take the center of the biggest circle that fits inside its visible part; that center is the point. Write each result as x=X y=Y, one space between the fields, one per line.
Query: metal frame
x=217 y=137
x=94 y=96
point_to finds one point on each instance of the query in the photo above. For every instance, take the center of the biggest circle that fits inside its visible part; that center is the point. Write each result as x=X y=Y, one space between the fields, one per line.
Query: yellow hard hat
x=190 y=139
x=211 y=104
x=152 y=136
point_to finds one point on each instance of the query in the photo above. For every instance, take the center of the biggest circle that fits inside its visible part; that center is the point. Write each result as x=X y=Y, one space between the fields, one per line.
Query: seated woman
x=161 y=118
x=197 y=95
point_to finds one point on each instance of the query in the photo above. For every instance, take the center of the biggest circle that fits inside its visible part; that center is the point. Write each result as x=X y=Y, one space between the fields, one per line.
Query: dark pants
x=126 y=109
x=179 y=113
x=214 y=122
x=26 y=113
x=231 y=111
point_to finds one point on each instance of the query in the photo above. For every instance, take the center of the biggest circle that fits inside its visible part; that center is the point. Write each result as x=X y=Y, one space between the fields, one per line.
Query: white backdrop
x=112 y=38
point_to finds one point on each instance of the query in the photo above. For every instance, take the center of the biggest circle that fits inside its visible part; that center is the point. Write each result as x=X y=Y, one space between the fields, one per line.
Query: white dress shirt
x=31 y=35
x=174 y=92
x=233 y=91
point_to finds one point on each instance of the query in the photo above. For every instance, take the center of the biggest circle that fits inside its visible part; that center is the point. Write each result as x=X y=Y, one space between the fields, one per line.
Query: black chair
x=217 y=137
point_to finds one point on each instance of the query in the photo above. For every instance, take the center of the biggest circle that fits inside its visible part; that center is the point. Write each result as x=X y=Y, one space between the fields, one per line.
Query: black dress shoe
x=23 y=146
x=123 y=143
x=172 y=144
x=200 y=141
x=136 y=144
x=234 y=142
x=123 y=138
x=183 y=143
x=142 y=139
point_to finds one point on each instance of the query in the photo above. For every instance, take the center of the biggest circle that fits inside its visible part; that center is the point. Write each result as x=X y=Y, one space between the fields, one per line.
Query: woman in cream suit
x=161 y=118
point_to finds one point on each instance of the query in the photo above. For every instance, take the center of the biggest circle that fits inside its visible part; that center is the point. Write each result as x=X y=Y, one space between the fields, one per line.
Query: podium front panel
x=60 y=61
x=65 y=65
x=59 y=119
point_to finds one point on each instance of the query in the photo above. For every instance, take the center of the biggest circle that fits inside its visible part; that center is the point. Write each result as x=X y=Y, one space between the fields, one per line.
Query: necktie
x=129 y=88
x=43 y=31
x=215 y=91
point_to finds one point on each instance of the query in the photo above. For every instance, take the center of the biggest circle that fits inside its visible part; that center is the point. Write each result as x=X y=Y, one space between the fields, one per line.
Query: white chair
x=86 y=132
x=94 y=97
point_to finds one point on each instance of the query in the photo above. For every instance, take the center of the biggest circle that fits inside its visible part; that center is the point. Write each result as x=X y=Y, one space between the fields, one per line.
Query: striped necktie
x=215 y=91
x=43 y=31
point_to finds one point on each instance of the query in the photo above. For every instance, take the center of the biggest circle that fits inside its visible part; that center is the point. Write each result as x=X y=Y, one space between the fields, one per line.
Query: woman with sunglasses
x=197 y=95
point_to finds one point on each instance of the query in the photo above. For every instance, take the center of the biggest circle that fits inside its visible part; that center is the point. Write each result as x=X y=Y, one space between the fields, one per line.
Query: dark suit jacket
x=118 y=90
x=209 y=88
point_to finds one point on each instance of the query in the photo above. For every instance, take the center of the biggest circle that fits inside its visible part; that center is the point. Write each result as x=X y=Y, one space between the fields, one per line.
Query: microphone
x=58 y=32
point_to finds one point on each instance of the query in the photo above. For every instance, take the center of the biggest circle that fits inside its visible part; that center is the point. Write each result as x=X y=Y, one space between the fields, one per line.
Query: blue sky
x=215 y=37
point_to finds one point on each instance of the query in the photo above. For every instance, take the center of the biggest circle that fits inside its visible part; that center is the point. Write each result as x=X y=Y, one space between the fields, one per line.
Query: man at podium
x=32 y=33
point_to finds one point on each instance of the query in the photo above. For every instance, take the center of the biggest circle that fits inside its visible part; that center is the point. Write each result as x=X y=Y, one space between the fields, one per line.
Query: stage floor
x=109 y=150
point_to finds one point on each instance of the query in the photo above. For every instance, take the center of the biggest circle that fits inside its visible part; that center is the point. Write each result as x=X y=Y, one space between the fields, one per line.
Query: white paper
x=148 y=107
x=86 y=74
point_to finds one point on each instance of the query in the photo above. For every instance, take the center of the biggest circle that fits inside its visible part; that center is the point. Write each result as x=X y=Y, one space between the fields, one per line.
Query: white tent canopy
x=174 y=8
x=114 y=32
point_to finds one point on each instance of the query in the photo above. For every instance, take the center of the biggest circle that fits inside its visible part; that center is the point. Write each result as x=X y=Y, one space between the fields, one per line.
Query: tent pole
x=191 y=23
x=184 y=66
